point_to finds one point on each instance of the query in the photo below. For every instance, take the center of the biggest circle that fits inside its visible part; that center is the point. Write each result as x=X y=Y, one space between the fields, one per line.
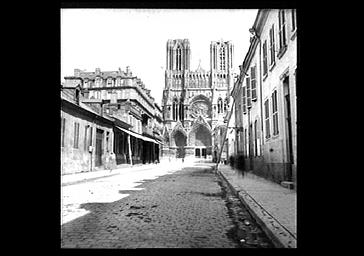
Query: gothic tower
x=178 y=55
x=195 y=102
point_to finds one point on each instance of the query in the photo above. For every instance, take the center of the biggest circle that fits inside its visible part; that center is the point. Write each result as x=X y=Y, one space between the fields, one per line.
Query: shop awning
x=136 y=135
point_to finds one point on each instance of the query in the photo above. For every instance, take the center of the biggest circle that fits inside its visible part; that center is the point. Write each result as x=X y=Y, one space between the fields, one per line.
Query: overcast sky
x=113 y=38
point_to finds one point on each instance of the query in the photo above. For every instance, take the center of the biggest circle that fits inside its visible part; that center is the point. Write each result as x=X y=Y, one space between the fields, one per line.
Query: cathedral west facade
x=195 y=102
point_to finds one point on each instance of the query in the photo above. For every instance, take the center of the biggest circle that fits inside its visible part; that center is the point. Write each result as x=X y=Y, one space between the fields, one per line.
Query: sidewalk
x=70 y=179
x=273 y=206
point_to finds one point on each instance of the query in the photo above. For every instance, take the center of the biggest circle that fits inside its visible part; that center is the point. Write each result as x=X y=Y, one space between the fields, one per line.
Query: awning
x=136 y=135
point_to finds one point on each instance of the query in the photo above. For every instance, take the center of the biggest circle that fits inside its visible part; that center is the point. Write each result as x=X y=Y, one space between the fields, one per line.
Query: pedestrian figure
x=111 y=160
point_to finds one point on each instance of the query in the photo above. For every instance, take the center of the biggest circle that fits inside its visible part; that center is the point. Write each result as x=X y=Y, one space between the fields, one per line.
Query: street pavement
x=273 y=206
x=172 y=205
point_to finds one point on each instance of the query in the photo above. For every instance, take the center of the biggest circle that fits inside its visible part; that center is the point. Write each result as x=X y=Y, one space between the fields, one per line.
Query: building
x=195 y=102
x=265 y=109
x=125 y=99
x=87 y=136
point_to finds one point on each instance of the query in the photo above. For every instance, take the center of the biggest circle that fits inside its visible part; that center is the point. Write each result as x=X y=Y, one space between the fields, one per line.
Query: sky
x=113 y=38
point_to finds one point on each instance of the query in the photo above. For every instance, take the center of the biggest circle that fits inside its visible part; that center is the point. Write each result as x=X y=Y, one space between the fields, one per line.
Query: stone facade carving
x=189 y=95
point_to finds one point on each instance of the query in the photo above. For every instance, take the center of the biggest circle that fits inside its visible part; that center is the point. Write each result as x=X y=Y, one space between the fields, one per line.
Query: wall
x=286 y=64
x=271 y=160
x=74 y=160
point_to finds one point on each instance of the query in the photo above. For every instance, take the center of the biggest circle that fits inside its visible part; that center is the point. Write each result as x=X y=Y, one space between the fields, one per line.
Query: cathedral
x=195 y=102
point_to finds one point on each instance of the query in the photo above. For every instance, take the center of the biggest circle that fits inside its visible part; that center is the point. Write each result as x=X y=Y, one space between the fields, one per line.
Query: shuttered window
x=265 y=63
x=248 y=93
x=63 y=128
x=253 y=83
x=293 y=19
x=76 y=135
x=275 y=112
x=282 y=29
x=85 y=139
x=267 y=127
x=272 y=46
x=90 y=138
x=244 y=99
x=256 y=138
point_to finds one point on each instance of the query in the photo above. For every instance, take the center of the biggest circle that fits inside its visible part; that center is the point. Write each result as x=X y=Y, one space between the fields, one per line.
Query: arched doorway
x=201 y=139
x=180 y=141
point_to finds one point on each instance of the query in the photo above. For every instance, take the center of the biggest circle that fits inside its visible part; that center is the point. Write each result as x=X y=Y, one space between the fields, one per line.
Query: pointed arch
x=174 y=109
x=178 y=136
x=219 y=105
x=200 y=133
x=181 y=109
x=178 y=127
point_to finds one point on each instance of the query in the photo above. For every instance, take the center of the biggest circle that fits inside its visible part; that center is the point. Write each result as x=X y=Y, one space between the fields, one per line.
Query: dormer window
x=109 y=82
x=97 y=82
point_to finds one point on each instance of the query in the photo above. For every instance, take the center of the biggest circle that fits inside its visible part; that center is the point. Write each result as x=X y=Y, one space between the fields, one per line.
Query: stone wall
x=80 y=159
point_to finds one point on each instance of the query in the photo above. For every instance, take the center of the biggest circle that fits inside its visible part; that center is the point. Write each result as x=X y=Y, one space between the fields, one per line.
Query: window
x=255 y=138
x=267 y=127
x=90 y=138
x=109 y=82
x=275 y=113
x=85 y=139
x=244 y=99
x=293 y=19
x=63 y=127
x=219 y=106
x=248 y=93
x=174 y=110
x=181 y=110
x=272 y=48
x=97 y=82
x=76 y=135
x=282 y=30
x=222 y=58
x=265 y=64
x=253 y=82
x=107 y=142
x=245 y=144
x=225 y=105
x=178 y=60
x=85 y=84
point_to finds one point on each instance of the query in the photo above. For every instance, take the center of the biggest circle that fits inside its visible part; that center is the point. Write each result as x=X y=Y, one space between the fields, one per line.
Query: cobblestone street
x=188 y=208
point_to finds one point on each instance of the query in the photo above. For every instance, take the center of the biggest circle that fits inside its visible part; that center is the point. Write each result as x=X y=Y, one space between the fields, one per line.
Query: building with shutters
x=125 y=99
x=265 y=110
x=87 y=136
x=195 y=102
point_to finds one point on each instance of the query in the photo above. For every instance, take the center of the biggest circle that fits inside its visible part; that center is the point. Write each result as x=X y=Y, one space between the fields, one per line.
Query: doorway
x=180 y=141
x=203 y=153
x=197 y=152
x=287 y=113
x=99 y=149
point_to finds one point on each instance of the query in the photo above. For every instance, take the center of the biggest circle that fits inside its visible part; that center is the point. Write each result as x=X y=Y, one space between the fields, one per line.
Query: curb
x=104 y=175
x=279 y=235
x=88 y=179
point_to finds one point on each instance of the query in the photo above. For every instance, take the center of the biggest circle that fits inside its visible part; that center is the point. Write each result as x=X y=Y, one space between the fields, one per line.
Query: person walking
x=111 y=160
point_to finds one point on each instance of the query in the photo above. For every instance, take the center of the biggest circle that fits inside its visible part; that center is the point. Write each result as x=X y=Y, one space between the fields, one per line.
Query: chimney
x=128 y=72
x=77 y=72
